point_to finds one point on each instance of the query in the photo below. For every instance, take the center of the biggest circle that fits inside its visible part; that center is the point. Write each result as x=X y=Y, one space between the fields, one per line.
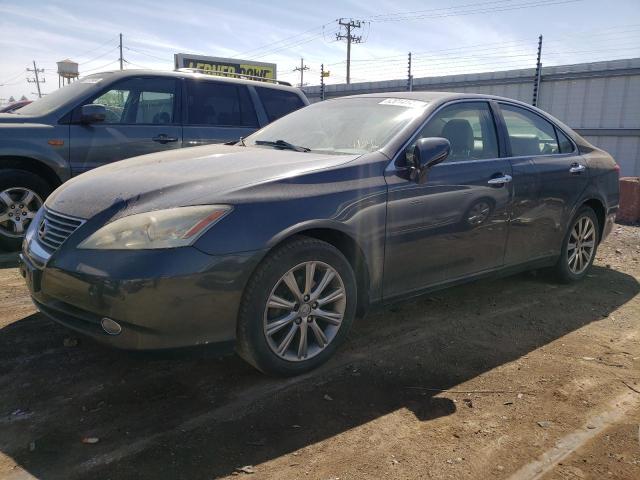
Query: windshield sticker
x=403 y=102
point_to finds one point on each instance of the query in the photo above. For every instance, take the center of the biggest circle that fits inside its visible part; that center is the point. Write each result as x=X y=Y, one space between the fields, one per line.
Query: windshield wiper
x=240 y=141
x=282 y=144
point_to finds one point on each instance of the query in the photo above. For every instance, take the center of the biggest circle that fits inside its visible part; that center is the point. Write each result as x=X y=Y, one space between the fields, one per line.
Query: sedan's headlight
x=175 y=227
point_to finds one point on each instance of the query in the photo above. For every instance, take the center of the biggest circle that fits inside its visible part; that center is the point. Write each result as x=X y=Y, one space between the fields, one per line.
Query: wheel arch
x=598 y=207
x=31 y=165
x=347 y=245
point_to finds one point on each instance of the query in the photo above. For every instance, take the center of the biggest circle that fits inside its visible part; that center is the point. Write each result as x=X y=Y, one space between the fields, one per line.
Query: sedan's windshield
x=341 y=126
x=60 y=97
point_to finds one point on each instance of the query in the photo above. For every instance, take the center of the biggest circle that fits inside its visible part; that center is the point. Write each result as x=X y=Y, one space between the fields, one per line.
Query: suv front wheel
x=22 y=193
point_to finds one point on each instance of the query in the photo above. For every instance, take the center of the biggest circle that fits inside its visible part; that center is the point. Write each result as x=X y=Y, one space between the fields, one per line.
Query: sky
x=445 y=36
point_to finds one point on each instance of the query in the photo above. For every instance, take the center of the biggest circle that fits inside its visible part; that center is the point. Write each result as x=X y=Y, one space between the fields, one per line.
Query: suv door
x=217 y=112
x=142 y=117
x=549 y=177
x=454 y=224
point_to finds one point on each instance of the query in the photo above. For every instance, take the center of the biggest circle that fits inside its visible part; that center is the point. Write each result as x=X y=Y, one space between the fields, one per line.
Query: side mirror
x=93 y=113
x=427 y=153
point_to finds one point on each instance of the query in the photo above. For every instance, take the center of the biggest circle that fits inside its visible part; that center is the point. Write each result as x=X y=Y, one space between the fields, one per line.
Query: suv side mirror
x=427 y=153
x=93 y=113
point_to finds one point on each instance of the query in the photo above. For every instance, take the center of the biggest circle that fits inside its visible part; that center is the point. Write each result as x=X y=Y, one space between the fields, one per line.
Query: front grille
x=55 y=228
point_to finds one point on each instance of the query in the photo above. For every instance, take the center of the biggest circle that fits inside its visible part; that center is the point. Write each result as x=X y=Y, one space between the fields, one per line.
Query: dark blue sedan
x=277 y=242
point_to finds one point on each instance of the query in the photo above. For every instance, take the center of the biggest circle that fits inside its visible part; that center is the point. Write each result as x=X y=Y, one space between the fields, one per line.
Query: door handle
x=500 y=180
x=577 y=168
x=164 y=138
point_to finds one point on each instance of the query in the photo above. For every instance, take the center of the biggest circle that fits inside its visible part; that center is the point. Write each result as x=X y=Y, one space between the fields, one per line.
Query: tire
x=567 y=271
x=295 y=257
x=14 y=186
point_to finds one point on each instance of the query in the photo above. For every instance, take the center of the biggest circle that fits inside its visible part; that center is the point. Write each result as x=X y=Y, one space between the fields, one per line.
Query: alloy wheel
x=18 y=206
x=304 y=311
x=479 y=213
x=581 y=246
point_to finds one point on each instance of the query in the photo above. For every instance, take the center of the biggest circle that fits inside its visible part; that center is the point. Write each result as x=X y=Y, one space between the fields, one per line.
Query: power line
x=290 y=45
x=145 y=53
x=91 y=50
x=285 y=39
x=477 y=50
x=102 y=55
x=101 y=67
x=137 y=65
x=6 y=82
x=431 y=10
x=503 y=5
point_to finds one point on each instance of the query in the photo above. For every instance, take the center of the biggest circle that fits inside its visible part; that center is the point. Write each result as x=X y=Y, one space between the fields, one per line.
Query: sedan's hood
x=189 y=176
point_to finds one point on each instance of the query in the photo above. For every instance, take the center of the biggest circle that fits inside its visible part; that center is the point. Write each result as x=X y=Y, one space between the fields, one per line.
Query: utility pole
x=36 y=80
x=409 y=76
x=536 y=84
x=349 y=25
x=121 y=59
x=301 y=69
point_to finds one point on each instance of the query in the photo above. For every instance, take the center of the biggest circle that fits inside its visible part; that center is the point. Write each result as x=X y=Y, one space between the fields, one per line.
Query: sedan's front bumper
x=161 y=298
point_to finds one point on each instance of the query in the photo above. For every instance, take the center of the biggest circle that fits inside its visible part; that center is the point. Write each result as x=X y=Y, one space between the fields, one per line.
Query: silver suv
x=111 y=116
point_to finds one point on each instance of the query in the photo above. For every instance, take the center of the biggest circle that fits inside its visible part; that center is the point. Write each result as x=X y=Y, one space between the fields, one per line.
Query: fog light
x=110 y=326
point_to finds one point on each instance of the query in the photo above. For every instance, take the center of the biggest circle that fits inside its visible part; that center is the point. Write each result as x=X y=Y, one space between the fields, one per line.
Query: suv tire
x=22 y=193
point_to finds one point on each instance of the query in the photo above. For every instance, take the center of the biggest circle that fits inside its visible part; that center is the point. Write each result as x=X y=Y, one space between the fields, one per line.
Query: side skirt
x=486 y=274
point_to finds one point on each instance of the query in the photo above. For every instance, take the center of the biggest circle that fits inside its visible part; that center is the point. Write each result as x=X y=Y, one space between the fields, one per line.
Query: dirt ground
x=514 y=378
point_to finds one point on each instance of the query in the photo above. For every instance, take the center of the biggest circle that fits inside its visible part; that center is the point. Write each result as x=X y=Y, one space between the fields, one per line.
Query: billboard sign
x=226 y=65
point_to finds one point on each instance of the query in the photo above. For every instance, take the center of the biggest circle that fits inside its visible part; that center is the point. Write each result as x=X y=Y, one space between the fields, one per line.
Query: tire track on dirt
x=249 y=399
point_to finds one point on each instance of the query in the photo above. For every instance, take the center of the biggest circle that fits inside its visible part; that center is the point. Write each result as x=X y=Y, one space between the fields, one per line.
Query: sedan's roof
x=430 y=96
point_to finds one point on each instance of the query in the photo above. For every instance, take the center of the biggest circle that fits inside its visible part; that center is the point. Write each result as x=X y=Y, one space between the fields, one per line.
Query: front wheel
x=579 y=246
x=297 y=307
x=22 y=193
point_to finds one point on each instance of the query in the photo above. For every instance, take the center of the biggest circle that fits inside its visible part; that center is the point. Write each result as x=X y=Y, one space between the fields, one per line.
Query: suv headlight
x=175 y=227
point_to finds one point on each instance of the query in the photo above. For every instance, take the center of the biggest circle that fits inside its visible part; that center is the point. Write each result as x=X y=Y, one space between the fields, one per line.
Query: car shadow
x=199 y=414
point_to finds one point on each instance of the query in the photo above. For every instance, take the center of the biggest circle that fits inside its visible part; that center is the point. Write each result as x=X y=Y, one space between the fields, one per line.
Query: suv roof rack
x=232 y=75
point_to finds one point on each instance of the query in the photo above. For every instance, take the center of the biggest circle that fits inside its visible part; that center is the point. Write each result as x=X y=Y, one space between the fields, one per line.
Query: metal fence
x=600 y=100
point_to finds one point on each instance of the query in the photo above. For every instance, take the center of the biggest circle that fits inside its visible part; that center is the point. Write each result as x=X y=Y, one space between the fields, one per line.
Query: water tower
x=67 y=69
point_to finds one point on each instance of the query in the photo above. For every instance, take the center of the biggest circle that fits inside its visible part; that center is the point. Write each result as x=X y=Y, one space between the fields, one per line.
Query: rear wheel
x=297 y=308
x=579 y=246
x=22 y=193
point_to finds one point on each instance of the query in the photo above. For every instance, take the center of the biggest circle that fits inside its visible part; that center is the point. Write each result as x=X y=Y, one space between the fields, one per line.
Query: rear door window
x=219 y=104
x=529 y=134
x=278 y=103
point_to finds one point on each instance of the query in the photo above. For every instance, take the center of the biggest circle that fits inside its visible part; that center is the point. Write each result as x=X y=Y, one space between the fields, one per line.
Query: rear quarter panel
x=603 y=185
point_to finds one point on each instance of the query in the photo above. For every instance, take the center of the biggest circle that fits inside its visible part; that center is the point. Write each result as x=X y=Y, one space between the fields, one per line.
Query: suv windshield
x=341 y=126
x=60 y=97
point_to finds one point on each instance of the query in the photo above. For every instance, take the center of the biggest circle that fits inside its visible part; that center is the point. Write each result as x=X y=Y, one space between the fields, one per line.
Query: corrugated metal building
x=600 y=100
